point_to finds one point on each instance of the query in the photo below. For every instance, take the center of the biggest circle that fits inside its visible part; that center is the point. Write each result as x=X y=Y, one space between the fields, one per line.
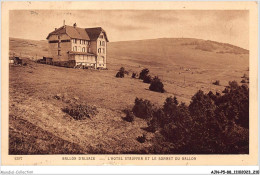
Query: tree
x=157 y=85
x=143 y=73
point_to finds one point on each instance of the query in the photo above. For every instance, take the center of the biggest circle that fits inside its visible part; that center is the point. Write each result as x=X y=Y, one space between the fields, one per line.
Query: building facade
x=74 y=46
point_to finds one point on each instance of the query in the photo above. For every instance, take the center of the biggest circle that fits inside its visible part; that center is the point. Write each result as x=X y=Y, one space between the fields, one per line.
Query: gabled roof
x=72 y=32
x=79 y=33
x=95 y=32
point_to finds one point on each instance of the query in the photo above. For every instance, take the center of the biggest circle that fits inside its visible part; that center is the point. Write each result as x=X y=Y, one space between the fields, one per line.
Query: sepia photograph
x=129 y=82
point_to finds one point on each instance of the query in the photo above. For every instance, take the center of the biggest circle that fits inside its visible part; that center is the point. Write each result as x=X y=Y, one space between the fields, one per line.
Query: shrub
x=80 y=112
x=129 y=116
x=216 y=83
x=157 y=120
x=147 y=79
x=235 y=104
x=244 y=76
x=233 y=85
x=225 y=90
x=121 y=73
x=157 y=85
x=134 y=75
x=211 y=124
x=201 y=105
x=143 y=108
x=143 y=73
x=243 y=81
x=141 y=139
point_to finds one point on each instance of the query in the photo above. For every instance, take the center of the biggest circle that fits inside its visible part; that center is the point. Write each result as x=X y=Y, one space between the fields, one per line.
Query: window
x=55 y=41
x=104 y=50
x=75 y=48
x=58 y=52
x=83 y=49
x=58 y=36
x=103 y=43
x=58 y=44
x=65 y=40
x=79 y=49
x=100 y=43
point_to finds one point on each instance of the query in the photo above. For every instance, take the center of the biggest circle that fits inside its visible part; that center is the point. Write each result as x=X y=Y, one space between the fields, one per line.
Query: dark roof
x=95 y=32
x=79 y=33
x=73 y=32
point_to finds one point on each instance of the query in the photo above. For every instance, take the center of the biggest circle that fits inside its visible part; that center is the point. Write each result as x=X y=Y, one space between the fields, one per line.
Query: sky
x=228 y=26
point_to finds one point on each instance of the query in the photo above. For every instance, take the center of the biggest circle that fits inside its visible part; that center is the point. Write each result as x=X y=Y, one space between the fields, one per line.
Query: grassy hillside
x=28 y=48
x=184 y=65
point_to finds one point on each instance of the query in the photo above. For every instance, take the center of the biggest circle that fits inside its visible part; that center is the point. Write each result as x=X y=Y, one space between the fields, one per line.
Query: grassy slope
x=33 y=87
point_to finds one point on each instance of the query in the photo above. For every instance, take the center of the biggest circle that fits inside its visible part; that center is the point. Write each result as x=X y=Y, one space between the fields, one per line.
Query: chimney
x=64 y=22
x=75 y=25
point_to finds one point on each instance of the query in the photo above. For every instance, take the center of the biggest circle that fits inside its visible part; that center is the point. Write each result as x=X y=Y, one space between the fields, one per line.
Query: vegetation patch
x=143 y=108
x=134 y=75
x=141 y=139
x=157 y=85
x=129 y=116
x=210 y=124
x=147 y=79
x=80 y=112
x=217 y=82
x=144 y=73
x=121 y=73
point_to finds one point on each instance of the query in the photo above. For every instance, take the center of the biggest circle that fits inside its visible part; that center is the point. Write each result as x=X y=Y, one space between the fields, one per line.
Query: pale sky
x=121 y=25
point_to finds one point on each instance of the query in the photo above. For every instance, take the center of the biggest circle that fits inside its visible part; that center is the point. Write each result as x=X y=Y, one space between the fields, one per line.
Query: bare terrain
x=39 y=126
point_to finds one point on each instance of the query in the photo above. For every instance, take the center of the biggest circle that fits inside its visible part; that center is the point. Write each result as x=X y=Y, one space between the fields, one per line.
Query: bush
x=143 y=73
x=244 y=76
x=143 y=108
x=129 y=116
x=216 y=83
x=157 y=85
x=80 y=112
x=141 y=139
x=225 y=90
x=147 y=79
x=235 y=104
x=121 y=73
x=134 y=75
x=243 y=81
x=211 y=124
